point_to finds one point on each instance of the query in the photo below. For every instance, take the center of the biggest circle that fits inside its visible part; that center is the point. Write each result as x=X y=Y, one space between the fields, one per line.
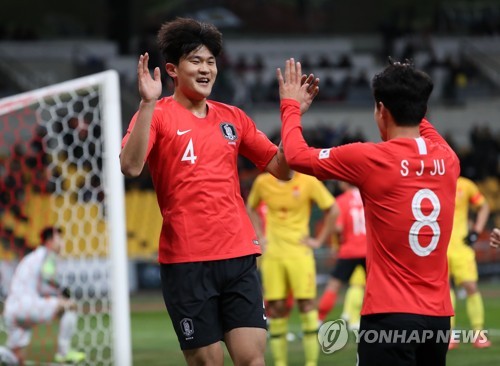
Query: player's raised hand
x=294 y=85
x=149 y=87
x=312 y=91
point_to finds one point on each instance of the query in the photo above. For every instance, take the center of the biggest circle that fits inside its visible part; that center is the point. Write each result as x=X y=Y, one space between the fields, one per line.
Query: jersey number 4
x=422 y=220
x=189 y=153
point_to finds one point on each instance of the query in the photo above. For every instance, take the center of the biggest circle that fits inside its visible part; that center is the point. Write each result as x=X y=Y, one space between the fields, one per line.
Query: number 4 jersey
x=193 y=165
x=408 y=189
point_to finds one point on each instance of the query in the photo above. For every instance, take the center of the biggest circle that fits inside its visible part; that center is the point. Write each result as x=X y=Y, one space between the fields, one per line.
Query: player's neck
x=403 y=132
x=197 y=107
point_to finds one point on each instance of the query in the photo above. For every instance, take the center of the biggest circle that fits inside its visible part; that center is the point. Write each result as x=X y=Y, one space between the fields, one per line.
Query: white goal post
x=59 y=159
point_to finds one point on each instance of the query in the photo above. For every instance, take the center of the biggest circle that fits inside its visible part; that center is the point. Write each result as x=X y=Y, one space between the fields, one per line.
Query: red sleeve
x=428 y=131
x=297 y=152
x=152 y=133
x=255 y=145
x=347 y=162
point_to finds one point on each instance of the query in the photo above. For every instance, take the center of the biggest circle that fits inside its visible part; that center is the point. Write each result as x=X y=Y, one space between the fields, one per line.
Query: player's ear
x=384 y=112
x=171 y=70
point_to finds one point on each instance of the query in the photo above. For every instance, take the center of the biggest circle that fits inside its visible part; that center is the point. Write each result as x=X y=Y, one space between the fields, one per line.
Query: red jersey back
x=352 y=221
x=408 y=188
x=193 y=165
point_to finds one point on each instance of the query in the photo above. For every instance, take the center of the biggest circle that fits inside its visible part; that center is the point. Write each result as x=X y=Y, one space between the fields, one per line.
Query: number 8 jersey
x=193 y=166
x=408 y=189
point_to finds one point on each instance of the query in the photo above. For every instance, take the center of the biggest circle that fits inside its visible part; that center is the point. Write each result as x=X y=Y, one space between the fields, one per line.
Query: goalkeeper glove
x=471 y=238
x=66 y=293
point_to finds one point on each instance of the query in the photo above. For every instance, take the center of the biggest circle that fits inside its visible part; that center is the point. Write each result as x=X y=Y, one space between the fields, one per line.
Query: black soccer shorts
x=345 y=267
x=207 y=299
x=409 y=348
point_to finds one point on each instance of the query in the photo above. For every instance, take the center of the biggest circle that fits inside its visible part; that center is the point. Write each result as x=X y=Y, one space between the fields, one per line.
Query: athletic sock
x=326 y=303
x=475 y=310
x=310 y=343
x=278 y=328
x=67 y=327
x=353 y=302
x=453 y=303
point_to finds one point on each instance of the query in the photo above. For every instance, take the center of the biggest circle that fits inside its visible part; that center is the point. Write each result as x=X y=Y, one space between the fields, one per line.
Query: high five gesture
x=296 y=86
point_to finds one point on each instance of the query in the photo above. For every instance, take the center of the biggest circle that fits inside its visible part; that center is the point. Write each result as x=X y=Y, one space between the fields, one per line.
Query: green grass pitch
x=154 y=342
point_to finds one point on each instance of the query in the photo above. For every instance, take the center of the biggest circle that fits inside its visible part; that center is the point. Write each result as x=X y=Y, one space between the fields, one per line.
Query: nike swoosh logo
x=180 y=133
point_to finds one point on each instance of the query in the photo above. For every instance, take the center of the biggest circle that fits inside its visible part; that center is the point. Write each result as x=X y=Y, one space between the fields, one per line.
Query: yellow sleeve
x=254 y=197
x=476 y=198
x=321 y=195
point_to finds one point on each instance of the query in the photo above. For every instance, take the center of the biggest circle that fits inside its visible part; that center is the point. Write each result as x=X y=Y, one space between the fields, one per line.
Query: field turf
x=154 y=342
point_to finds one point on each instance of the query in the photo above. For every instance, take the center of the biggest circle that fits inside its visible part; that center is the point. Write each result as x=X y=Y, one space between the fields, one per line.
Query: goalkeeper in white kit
x=36 y=297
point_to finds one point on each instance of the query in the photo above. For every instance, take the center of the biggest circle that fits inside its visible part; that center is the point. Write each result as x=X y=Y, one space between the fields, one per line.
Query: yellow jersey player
x=288 y=261
x=461 y=255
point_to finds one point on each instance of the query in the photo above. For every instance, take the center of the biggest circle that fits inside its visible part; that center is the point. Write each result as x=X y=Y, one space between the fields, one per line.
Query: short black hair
x=49 y=232
x=404 y=91
x=181 y=36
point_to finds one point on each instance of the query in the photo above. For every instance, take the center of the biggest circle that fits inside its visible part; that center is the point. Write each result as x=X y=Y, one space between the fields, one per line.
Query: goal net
x=59 y=149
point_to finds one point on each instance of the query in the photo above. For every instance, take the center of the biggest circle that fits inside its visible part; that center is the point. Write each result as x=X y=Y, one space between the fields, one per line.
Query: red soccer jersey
x=352 y=221
x=408 y=188
x=193 y=165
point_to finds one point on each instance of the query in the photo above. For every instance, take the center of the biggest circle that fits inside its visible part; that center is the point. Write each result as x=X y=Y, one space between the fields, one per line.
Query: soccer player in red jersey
x=352 y=251
x=408 y=185
x=207 y=244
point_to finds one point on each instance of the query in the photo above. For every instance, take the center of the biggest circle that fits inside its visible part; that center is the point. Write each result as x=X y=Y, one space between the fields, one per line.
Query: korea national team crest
x=187 y=327
x=228 y=131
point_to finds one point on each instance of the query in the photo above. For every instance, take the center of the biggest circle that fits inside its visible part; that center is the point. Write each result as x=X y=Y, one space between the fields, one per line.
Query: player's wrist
x=472 y=237
x=148 y=102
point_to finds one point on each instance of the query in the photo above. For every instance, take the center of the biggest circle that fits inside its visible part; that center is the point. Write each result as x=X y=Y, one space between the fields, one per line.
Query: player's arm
x=48 y=284
x=134 y=152
x=253 y=202
x=329 y=219
x=278 y=165
x=495 y=238
x=293 y=95
x=427 y=130
x=482 y=215
x=257 y=225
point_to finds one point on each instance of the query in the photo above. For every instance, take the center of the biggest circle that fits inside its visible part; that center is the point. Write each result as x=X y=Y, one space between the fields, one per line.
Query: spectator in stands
x=36 y=297
x=258 y=63
x=345 y=61
x=362 y=80
x=241 y=65
x=258 y=88
x=306 y=62
x=191 y=145
x=329 y=89
x=324 y=61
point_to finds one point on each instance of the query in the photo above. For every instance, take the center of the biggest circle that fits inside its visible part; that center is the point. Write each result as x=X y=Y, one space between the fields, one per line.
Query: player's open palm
x=294 y=85
x=149 y=87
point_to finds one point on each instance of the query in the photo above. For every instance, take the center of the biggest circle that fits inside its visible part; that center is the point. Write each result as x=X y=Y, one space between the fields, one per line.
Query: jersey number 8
x=423 y=220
